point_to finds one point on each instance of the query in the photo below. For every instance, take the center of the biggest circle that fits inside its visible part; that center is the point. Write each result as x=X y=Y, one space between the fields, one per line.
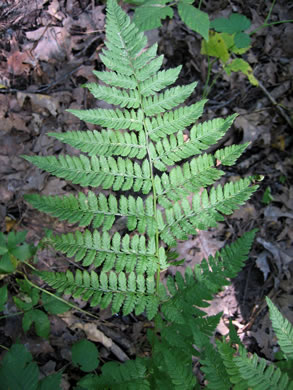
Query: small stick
x=275 y=103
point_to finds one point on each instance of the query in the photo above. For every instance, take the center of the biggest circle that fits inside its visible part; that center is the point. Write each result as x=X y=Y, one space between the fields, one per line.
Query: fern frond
x=230 y=154
x=260 y=375
x=123 y=37
x=180 y=181
x=131 y=375
x=214 y=369
x=116 y=96
x=227 y=354
x=112 y=119
x=206 y=210
x=116 y=252
x=159 y=81
x=186 y=295
x=98 y=211
x=172 y=371
x=176 y=148
x=206 y=279
x=121 y=174
x=173 y=121
x=129 y=292
x=227 y=262
x=105 y=143
x=282 y=328
x=116 y=79
x=167 y=100
x=137 y=137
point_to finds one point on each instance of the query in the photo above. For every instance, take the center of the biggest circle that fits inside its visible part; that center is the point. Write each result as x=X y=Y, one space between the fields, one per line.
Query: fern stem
x=150 y=161
x=61 y=299
x=207 y=88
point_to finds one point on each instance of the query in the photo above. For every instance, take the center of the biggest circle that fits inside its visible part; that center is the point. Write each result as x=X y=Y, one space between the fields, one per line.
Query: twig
x=275 y=103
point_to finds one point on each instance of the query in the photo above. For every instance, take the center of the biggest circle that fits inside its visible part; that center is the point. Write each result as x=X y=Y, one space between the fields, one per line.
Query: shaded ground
x=48 y=49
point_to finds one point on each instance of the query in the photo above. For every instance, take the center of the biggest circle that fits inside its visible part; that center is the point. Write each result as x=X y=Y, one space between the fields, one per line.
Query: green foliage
x=230 y=39
x=149 y=157
x=194 y=18
x=123 y=161
x=148 y=15
x=19 y=372
x=222 y=37
x=27 y=300
x=85 y=355
x=260 y=375
x=267 y=196
x=235 y=24
x=283 y=330
x=14 y=249
x=3 y=297
x=52 y=305
x=131 y=375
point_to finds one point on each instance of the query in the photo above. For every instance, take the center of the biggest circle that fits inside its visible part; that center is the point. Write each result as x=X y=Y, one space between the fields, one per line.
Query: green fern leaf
x=260 y=375
x=214 y=369
x=119 y=252
x=103 y=289
x=167 y=100
x=230 y=154
x=113 y=119
x=200 y=172
x=114 y=96
x=98 y=211
x=227 y=354
x=147 y=130
x=105 y=143
x=206 y=210
x=116 y=79
x=173 y=121
x=131 y=375
x=121 y=174
x=159 y=81
x=282 y=328
x=176 y=148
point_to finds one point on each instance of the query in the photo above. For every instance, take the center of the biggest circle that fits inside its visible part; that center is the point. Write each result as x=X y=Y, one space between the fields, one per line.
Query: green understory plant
x=148 y=156
x=229 y=355
x=226 y=39
x=18 y=371
x=15 y=252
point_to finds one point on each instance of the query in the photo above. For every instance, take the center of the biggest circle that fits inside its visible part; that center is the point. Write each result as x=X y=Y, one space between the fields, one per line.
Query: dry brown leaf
x=51 y=42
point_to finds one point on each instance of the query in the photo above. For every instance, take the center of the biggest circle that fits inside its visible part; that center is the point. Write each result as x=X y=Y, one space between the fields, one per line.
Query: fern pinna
x=145 y=152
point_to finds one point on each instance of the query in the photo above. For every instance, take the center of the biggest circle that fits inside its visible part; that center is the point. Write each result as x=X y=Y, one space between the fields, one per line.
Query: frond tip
x=283 y=329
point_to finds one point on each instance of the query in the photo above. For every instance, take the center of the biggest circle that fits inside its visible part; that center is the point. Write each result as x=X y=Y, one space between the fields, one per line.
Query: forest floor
x=48 y=49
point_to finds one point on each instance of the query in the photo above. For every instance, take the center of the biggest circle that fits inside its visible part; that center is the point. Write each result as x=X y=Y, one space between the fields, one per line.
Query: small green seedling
x=14 y=250
x=18 y=371
x=85 y=355
x=229 y=39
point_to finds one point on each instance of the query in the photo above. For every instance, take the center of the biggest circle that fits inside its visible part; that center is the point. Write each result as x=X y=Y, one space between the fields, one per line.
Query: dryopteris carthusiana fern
x=146 y=153
x=149 y=152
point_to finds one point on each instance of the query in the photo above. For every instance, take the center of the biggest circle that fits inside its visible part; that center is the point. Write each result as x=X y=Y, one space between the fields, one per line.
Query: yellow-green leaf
x=239 y=65
x=215 y=47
